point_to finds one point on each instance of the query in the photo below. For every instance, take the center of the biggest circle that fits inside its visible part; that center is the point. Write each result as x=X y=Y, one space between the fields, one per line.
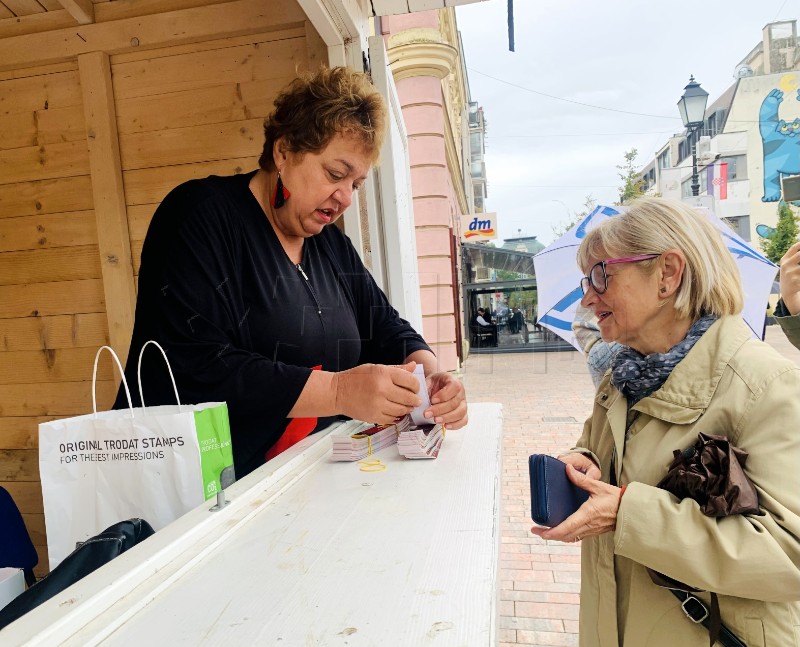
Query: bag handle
x=169 y=368
x=121 y=372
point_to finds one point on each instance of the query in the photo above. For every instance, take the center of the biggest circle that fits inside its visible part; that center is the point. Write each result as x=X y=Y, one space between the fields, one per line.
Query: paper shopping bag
x=154 y=463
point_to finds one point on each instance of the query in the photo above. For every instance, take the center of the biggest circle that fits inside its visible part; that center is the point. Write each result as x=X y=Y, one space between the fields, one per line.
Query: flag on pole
x=717 y=180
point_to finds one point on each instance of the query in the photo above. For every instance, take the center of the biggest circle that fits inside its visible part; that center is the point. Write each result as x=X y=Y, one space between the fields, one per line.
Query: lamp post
x=692 y=106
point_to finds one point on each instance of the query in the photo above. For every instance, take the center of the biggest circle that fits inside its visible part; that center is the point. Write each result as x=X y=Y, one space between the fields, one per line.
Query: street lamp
x=692 y=106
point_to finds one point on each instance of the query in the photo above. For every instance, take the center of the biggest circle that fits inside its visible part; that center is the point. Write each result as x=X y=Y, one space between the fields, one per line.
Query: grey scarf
x=637 y=376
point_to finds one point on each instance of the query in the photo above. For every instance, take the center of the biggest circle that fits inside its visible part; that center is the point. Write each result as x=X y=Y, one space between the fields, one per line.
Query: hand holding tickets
x=418 y=414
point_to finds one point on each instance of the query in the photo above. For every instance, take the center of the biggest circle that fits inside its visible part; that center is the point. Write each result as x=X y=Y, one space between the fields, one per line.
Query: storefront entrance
x=500 y=287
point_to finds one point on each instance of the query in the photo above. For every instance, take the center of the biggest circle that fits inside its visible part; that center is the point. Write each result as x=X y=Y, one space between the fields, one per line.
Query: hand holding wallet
x=553 y=496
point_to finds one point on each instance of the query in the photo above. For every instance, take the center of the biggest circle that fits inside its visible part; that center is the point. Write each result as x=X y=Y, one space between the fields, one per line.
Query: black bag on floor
x=87 y=557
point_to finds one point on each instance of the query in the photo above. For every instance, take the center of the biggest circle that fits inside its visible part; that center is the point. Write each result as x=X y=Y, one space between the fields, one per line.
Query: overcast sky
x=544 y=155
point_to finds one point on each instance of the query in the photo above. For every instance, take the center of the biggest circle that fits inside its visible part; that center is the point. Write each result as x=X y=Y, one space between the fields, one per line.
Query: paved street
x=546 y=397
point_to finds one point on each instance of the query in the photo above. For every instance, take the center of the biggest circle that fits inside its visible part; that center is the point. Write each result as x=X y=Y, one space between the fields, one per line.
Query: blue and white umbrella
x=558 y=277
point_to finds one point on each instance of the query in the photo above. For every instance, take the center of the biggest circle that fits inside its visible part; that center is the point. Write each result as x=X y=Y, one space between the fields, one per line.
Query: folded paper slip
x=354 y=447
x=421 y=442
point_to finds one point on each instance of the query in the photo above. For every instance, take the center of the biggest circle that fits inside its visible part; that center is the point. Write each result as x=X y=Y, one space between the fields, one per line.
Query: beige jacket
x=728 y=384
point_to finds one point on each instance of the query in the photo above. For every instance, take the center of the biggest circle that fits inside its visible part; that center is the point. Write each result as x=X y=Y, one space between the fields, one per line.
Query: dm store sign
x=478 y=227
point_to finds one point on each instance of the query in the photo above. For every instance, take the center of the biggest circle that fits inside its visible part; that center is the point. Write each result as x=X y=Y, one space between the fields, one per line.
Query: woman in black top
x=248 y=290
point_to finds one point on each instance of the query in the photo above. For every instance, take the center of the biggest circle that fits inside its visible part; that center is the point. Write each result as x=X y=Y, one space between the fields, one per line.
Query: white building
x=753 y=129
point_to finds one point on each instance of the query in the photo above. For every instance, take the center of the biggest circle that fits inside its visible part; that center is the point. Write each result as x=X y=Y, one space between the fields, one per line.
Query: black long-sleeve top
x=238 y=319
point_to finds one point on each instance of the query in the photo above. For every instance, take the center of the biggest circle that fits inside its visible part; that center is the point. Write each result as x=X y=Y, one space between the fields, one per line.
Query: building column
x=419 y=61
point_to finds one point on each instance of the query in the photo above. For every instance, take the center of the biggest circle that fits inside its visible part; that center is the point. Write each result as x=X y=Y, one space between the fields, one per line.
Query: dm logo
x=479 y=228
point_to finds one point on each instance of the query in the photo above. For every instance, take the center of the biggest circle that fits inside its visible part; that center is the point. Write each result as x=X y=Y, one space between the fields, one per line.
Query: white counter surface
x=309 y=553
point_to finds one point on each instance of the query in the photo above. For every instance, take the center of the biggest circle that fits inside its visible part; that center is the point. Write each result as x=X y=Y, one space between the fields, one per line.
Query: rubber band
x=372 y=466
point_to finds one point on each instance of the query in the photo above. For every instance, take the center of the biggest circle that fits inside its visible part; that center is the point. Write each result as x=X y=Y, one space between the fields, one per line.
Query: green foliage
x=589 y=203
x=784 y=236
x=525 y=300
x=632 y=183
x=505 y=275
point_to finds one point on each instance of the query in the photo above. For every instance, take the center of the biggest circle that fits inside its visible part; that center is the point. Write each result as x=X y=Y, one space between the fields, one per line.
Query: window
x=711 y=126
x=686 y=188
x=741 y=225
x=475 y=146
x=474 y=120
x=737 y=167
x=703 y=178
x=683 y=150
x=664 y=160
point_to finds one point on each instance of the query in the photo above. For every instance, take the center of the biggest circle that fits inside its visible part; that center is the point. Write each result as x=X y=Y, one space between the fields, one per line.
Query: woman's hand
x=790 y=279
x=376 y=393
x=595 y=517
x=582 y=463
x=448 y=400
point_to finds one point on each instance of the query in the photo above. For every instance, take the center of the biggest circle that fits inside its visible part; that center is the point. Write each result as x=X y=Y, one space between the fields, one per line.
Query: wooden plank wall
x=180 y=112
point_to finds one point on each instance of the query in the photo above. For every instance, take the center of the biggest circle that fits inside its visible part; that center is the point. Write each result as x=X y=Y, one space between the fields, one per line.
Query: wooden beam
x=81 y=10
x=109 y=198
x=170 y=28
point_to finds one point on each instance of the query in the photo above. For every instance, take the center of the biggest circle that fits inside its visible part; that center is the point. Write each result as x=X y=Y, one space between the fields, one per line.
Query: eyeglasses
x=598 y=279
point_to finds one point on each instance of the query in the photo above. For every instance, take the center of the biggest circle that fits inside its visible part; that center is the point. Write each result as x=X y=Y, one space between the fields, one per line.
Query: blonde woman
x=662 y=284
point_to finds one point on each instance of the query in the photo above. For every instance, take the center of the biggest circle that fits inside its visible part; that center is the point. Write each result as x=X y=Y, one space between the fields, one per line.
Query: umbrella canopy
x=558 y=277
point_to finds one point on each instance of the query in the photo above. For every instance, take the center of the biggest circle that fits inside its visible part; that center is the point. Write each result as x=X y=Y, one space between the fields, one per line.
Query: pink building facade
x=426 y=61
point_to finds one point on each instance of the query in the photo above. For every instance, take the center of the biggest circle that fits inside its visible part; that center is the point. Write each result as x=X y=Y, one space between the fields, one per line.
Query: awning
x=499 y=259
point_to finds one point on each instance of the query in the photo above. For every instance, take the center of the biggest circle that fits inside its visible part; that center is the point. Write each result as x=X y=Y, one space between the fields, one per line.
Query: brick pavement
x=546 y=397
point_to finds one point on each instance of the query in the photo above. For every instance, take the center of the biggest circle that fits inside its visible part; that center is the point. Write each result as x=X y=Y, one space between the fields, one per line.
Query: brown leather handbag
x=712 y=473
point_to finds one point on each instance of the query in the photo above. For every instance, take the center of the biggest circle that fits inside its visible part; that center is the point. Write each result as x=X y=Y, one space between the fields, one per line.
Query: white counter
x=309 y=553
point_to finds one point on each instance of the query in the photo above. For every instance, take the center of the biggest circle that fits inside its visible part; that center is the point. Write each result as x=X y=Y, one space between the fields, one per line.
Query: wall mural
x=780 y=138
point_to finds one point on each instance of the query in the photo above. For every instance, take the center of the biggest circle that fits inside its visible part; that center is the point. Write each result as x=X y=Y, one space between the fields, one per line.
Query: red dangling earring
x=281 y=194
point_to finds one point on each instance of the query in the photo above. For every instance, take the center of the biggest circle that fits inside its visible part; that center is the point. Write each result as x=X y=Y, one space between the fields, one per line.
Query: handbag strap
x=696 y=611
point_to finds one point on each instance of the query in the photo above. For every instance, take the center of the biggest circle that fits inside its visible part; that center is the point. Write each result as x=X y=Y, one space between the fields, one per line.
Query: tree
x=633 y=184
x=784 y=235
x=589 y=203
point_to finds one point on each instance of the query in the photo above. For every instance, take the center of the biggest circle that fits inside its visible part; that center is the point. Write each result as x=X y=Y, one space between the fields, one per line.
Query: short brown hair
x=314 y=108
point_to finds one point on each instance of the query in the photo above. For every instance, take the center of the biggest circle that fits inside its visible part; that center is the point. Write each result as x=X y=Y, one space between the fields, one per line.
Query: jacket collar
x=694 y=380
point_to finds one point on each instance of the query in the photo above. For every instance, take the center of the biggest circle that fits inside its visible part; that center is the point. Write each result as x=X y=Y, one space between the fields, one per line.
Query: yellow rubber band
x=372 y=466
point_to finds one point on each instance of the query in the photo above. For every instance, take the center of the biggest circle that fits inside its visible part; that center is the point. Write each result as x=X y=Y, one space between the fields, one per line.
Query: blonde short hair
x=314 y=108
x=711 y=283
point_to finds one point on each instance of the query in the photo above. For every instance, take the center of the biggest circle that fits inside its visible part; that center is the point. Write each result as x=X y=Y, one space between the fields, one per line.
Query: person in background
x=519 y=320
x=597 y=352
x=481 y=318
x=787 y=311
x=261 y=303
x=662 y=283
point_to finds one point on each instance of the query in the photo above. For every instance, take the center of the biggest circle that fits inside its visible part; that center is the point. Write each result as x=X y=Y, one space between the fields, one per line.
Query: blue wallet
x=553 y=496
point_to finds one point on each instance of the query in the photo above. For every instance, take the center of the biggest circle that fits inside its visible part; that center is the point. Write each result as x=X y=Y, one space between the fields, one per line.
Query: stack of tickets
x=421 y=442
x=354 y=447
